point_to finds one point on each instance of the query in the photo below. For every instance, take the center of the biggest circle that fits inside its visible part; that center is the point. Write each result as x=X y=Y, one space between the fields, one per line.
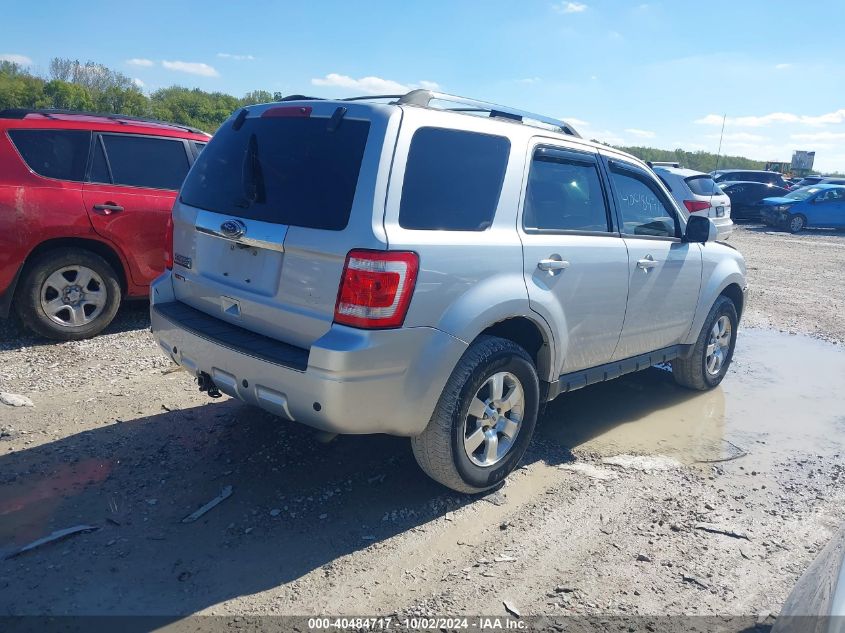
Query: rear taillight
x=168 y=243
x=376 y=288
x=694 y=206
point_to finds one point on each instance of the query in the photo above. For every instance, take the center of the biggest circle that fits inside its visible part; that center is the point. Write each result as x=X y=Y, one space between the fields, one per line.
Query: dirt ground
x=636 y=497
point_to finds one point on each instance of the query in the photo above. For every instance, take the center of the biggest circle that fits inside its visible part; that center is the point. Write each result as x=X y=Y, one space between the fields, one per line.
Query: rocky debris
x=58 y=535
x=644 y=463
x=15 y=400
x=715 y=529
x=224 y=494
x=590 y=470
x=511 y=608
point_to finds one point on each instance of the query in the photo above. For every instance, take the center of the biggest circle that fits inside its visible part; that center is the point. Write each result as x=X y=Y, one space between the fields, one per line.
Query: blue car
x=816 y=205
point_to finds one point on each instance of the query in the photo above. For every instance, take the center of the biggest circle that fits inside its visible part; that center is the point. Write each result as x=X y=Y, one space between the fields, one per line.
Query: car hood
x=777 y=201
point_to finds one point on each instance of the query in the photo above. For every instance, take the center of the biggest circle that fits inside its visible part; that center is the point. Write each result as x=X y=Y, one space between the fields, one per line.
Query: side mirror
x=700 y=230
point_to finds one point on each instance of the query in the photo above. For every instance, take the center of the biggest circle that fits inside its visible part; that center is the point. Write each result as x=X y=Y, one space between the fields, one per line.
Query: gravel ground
x=636 y=497
x=797 y=280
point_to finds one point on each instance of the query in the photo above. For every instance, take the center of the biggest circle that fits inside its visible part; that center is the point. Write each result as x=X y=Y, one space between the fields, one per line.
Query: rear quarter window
x=453 y=180
x=59 y=154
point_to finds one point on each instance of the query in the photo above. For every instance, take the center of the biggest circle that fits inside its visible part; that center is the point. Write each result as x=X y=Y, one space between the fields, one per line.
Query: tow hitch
x=207 y=384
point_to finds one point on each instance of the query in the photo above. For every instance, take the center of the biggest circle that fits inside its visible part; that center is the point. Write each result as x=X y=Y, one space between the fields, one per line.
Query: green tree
x=67 y=96
x=256 y=96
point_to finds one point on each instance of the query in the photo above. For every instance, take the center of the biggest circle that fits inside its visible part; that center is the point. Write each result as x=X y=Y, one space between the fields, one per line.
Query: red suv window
x=59 y=154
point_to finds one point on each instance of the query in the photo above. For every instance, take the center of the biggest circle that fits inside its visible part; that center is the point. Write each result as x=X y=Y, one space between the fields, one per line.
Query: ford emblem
x=233 y=229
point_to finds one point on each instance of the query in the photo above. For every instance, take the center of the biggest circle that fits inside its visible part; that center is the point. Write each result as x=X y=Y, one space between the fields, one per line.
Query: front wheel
x=711 y=356
x=484 y=419
x=796 y=223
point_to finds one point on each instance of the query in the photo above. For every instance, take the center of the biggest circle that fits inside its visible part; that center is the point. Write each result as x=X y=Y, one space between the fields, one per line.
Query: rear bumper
x=724 y=226
x=350 y=381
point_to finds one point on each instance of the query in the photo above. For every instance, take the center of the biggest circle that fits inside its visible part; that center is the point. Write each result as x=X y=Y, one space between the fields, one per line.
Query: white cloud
x=140 y=61
x=193 y=68
x=570 y=7
x=577 y=122
x=740 y=137
x=371 y=85
x=816 y=137
x=138 y=82
x=837 y=116
x=240 y=58
x=529 y=80
x=783 y=66
x=21 y=60
x=640 y=133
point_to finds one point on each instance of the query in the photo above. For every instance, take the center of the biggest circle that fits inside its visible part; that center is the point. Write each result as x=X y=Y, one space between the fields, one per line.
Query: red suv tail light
x=168 y=243
x=694 y=206
x=376 y=288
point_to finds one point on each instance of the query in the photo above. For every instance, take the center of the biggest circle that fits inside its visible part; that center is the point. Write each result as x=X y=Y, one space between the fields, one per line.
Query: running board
x=609 y=371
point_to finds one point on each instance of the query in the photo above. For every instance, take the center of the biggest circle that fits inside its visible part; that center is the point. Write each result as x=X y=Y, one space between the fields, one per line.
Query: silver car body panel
x=282 y=281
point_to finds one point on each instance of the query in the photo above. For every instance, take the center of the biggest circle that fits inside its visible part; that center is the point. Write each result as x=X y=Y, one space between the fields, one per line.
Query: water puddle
x=781 y=396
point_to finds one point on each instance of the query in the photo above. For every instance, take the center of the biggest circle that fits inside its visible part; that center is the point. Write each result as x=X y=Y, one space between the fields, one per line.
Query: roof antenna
x=718 y=155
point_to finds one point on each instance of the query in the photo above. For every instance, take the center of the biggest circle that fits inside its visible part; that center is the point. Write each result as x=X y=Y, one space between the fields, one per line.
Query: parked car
x=84 y=204
x=752 y=175
x=816 y=206
x=696 y=192
x=818 y=180
x=817 y=602
x=746 y=197
x=370 y=267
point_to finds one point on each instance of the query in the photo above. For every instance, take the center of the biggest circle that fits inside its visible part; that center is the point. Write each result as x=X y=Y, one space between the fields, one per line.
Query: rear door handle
x=108 y=208
x=646 y=263
x=552 y=264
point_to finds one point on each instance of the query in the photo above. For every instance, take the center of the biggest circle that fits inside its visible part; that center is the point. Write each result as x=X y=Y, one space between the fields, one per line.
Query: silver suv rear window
x=285 y=170
x=703 y=186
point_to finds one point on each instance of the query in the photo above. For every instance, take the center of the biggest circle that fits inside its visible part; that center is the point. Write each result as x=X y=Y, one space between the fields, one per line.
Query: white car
x=697 y=192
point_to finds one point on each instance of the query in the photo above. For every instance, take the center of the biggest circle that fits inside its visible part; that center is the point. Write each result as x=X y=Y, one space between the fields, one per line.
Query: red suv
x=84 y=212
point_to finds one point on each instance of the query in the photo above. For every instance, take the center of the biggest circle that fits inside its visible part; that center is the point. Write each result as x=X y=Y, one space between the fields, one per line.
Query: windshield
x=286 y=170
x=803 y=193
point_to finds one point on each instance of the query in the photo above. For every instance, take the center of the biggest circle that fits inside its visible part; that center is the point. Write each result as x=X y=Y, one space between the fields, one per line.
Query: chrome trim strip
x=258 y=234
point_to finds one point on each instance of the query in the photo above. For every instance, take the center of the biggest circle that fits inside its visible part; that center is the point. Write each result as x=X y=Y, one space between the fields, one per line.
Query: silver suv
x=434 y=267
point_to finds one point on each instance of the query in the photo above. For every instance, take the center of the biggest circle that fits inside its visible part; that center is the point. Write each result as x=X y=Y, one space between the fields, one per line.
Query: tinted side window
x=642 y=207
x=139 y=161
x=60 y=154
x=99 y=167
x=564 y=195
x=452 y=180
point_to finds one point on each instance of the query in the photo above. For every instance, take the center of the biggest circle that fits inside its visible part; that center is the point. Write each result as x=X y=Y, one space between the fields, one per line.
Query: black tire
x=796 y=223
x=692 y=372
x=439 y=450
x=28 y=296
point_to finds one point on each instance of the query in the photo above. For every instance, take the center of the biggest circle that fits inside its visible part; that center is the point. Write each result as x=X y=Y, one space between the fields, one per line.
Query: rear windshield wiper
x=252 y=176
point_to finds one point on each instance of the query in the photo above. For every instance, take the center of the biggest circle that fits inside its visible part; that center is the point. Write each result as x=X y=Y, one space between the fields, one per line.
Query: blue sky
x=657 y=73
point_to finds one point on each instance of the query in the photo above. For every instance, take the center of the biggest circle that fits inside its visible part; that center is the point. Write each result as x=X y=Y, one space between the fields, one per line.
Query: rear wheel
x=797 y=223
x=484 y=419
x=68 y=294
x=711 y=356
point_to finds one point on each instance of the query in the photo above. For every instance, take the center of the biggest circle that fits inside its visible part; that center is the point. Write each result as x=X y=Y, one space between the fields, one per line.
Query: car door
x=575 y=265
x=664 y=272
x=827 y=209
x=130 y=190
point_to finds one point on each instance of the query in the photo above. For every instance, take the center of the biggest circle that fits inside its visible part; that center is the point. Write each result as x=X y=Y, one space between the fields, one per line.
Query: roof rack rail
x=663 y=163
x=424 y=98
x=21 y=113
